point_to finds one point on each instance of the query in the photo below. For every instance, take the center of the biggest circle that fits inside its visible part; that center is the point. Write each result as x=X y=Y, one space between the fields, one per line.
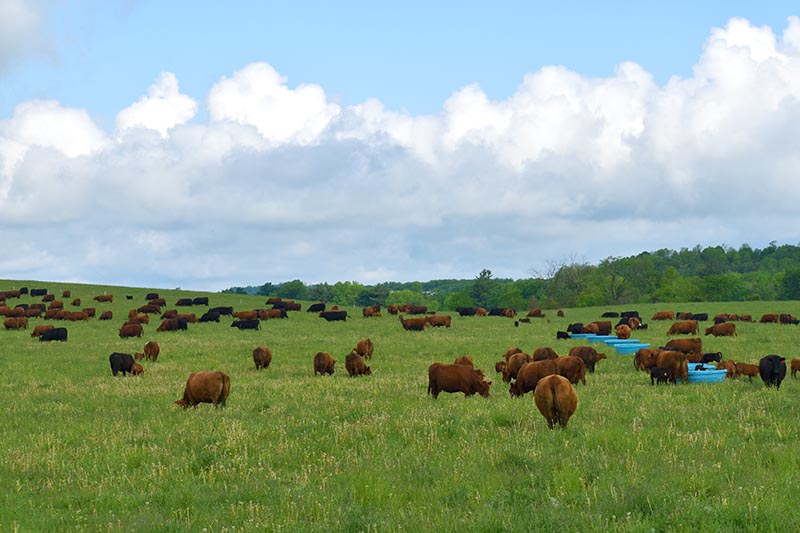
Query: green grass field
x=82 y=450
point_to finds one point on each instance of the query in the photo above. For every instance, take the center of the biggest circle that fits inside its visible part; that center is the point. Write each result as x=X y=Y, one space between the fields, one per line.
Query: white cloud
x=20 y=31
x=280 y=183
x=163 y=108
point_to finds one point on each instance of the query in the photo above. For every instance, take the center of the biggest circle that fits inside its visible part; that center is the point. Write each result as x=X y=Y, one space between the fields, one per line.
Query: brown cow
x=589 y=355
x=66 y=294
x=130 y=330
x=38 y=330
x=683 y=327
x=745 y=318
x=16 y=323
x=323 y=363
x=354 y=364
x=645 y=358
x=76 y=302
x=786 y=318
x=480 y=311
x=544 y=352
x=500 y=366
x=692 y=345
x=634 y=323
x=511 y=351
x=106 y=315
x=274 y=300
x=190 y=318
x=151 y=351
x=676 y=363
x=725 y=329
x=149 y=308
x=414 y=324
x=266 y=314
x=160 y=302
x=623 y=332
x=664 y=315
x=169 y=313
x=246 y=315
x=571 y=367
x=769 y=318
x=746 y=369
x=556 y=399
x=456 y=378
x=138 y=356
x=439 y=321
x=535 y=312
x=371 y=311
x=365 y=348
x=169 y=324
x=530 y=374
x=262 y=357
x=592 y=328
x=728 y=365
x=560 y=313
x=466 y=360
x=795 y=367
x=513 y=365
x=90 y=312
x=56 y=304
x=206 y=387
x=104 y=298
x=33 y=312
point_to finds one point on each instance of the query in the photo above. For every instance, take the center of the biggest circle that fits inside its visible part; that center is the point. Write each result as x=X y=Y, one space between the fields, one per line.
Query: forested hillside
x=716 y=273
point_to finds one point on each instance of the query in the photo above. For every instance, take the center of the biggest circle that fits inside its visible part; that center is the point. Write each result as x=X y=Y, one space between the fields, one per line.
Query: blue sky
x=470 y=135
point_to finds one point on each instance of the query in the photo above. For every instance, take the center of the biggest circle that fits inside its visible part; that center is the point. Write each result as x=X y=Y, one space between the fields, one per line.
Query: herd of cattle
x=551 y=377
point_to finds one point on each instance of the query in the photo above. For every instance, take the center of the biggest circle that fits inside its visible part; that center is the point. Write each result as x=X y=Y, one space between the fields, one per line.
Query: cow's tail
x=558 y=411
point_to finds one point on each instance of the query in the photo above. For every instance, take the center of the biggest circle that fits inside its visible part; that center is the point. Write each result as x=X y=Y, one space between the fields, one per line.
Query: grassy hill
x=83 y=450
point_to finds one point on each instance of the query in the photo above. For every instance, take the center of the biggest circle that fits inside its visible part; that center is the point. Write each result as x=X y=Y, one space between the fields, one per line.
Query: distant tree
x=458 y=299
x=346 y=292
x=266 y=289
x=510 y=296
x=482 y=288
x=321 y=292
x=790 y=284
x=292 y=290
x=373 y=295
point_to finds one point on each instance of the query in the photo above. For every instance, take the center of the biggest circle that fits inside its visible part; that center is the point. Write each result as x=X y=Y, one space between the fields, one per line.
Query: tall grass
x=82 y=450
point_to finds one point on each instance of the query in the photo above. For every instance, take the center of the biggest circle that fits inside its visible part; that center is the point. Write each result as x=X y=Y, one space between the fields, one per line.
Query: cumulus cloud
x=163 y=108
x=280 y=183
x=20 y=31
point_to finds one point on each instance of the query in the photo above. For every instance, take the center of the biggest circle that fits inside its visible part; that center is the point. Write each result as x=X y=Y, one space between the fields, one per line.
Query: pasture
x=85 y=451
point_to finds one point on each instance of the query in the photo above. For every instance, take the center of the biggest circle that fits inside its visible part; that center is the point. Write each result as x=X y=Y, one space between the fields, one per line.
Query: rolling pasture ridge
x=83 y=450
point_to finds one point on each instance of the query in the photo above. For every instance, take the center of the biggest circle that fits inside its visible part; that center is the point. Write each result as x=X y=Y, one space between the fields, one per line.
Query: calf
x=562 y=335
x=795 y=367
x=151 y=351
x=746 y=369
x=205 y=387
x=365 y=348
x=355 y=366
x=556 y=399
x=262 y=357
x=659 y=375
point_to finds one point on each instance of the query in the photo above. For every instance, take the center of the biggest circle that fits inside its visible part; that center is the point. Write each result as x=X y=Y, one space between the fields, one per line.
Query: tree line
x=717 y=273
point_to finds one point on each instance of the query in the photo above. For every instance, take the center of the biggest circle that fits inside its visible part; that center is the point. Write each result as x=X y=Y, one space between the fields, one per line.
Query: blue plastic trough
x=601 y=338
x=582 y=335
x=612 y=342
x=630 y=348
x=706 y=376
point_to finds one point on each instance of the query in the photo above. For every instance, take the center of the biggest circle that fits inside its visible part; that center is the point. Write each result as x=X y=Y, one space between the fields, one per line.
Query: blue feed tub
x=627 y=349
x=582 y=335
x=601 y=338
x=707 y=376
x=612 y=342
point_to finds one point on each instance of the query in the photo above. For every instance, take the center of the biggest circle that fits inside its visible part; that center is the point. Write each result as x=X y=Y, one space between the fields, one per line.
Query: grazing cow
x=190 y=318
x=623 y=332
x=745 y=318
x=168 y=324
x=571 y=367
x=544 y=352
x=365 y=348
x=645 y=358
x=183 y=302
x=200 y=300
x=104 y=298
x=664 y=315
x=511 y=351
x=480 y=311
x=158 y=302
x=66 y=294
x=90 y=312
x=316 y=308
x=205 y=387
x=577 y=327
x=465 y=311
x=151 y=296
x=591 y=329
x=262 y=357
x=151 y=351
x=556 y=399
x=786 y=318
x=795 y=367
x=500 y=367
x=634 y=322
x=746 y=369
x=725 y=329
x=228 y=311
x=38 y=292
x=292 y=306
x=38 y=330
x=659 y=375
x=416 y=309
x=676 y=363
x=456 y=378
x=699 y=316
x=15 y=323
x=334 y=316
x=369 y=311
x=535 y=313
x=210 y=316
x=246 y=315
x=562 y=335
x=772 y=369
x=610 y=314
x=129 y=297
x=76 y=302
x=514 y=363
x=169 y=313
x=48 y=297
x=684 y=327
x=54 y=334
x=246 y=324
x=529 y=375
x=138 y=356
x=729 y=366
x=33 y=312
x=131 y=330
x=124 y=362
x=274 y=300
x=438 y=321
x=354 y=364
x=692 y=345
x=466 y=360
x=266 y=314
x=713 y=357
x=56 y=304
x=769 y=318
x=323 y=363
x=588 y=354
x=149 y=308
x=414 y=324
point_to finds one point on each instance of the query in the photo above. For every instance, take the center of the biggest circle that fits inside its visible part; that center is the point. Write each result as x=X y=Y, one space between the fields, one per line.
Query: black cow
x=21 y=306
x=184 y=302
x=200 y=300
x=246 y=324
x=496 y=311
x=465 y=311
x=332 y=316
x=210 y=316
x=23 y=290
x=699 y=316
x=659 y=375
x=38 y=292
x=629 y=314
x=122 y=362
x=129 y=297
x=55 y=334
x=575 y=328
x=715 y=357
x=720 y=320
x=151 y=296
x=221 y=310
x=562 y=335
x=772 y=369
x=610 y=314
x=316 y=308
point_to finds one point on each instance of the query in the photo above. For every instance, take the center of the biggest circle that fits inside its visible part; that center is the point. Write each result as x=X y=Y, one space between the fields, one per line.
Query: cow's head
x=138 y=356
